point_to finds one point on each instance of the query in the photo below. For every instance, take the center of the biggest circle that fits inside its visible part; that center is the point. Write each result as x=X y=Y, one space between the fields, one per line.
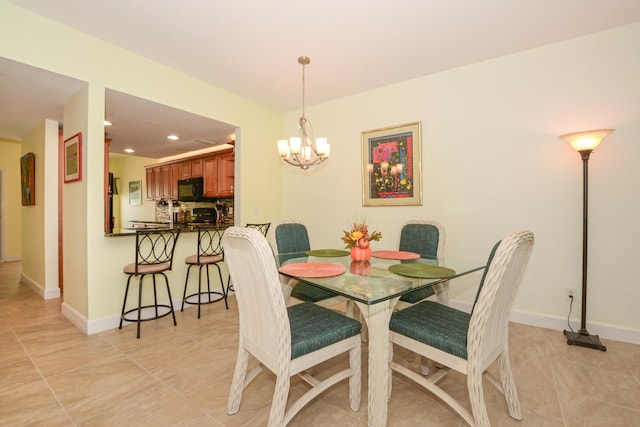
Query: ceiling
x=250 y=47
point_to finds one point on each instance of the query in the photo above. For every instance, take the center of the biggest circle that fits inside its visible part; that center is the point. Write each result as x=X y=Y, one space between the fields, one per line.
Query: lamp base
x=583 y=339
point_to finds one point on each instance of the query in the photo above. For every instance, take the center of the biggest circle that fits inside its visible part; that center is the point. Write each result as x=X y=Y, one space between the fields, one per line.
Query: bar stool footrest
x=151 y=308
x=206 y=297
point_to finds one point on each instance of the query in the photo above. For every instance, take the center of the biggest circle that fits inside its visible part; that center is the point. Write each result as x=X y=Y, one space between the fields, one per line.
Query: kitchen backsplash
x=184 y=210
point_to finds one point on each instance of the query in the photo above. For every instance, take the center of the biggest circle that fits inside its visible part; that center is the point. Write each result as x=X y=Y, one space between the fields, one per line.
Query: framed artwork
x=28 y=179
x=391 y=171
x=135 y=193
x=73 y=158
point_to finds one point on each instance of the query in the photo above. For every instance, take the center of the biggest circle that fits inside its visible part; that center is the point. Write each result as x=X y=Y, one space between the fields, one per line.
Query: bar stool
x=209 y=253
x=154 y=255
x=263 y=228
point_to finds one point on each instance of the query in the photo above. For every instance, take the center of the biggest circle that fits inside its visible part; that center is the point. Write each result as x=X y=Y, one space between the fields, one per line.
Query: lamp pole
x=585 y=143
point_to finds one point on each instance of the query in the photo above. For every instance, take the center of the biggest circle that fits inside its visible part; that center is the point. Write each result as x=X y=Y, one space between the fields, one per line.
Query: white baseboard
x=31 y=284
x=605 y=331
x=43 y=292
x=74 y=317
x=12 y=258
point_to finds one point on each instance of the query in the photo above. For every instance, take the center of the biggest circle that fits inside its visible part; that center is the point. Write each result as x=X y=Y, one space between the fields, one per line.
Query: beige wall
x=492 y=162
x=10 y=153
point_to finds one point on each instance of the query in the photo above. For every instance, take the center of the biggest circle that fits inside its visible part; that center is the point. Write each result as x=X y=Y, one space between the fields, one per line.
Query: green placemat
x=422 y=271
x=327 y=252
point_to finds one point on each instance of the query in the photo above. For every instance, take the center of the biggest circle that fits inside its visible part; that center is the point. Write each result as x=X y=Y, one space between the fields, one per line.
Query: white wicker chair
x=304 y=292
x=469 y=343
x=286 y=340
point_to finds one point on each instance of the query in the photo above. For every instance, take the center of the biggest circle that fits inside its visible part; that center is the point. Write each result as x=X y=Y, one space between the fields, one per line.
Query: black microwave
x=190 y=190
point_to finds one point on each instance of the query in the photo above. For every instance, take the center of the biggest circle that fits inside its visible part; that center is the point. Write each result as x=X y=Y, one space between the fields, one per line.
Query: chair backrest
x=263 y=228
x=423 y=237
x=209 y=241
x=288 y=236
x=489 y=323
x=264 y=322
x=155 y=246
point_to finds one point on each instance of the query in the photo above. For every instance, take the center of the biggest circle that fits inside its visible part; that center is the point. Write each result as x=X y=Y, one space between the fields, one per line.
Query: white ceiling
x=250 y=47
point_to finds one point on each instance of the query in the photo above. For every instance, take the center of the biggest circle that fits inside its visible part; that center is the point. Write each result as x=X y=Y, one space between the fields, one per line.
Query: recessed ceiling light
x=129 y=150
x=107 y=123
x=173 y=137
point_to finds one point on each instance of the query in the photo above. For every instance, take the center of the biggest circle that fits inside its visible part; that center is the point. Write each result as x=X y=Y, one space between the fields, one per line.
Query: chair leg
x=279 y=401
x=140 y=304
x=173 y=313
x=237 y=385
x=476 y=396
x=124 y=303
x=199 y=289
x=224 y=293
x=509 y=386
x=355 y=380
x=425 y=365
x=155 y=295
x=186 y=281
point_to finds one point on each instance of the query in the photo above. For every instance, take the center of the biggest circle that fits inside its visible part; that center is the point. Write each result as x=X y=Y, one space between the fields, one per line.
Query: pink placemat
x=395 y=255
x=313 y=269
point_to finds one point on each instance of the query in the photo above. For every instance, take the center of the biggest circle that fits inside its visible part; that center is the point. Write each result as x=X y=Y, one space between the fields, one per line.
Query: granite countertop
x=131 y=231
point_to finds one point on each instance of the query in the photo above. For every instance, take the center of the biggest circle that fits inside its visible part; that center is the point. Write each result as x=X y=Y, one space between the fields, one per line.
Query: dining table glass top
x=372 y=281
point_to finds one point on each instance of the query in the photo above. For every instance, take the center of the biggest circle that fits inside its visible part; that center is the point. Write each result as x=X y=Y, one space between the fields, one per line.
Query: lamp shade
x=587 y=140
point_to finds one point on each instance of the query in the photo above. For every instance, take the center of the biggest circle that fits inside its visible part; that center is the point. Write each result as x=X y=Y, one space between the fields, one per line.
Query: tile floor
x=53 y=375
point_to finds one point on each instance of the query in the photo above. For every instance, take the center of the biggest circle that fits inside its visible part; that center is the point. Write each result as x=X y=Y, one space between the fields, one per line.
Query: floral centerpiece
x=358 y=240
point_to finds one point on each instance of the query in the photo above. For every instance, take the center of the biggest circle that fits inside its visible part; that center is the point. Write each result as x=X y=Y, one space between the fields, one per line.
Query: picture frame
x=391 y=166
x=135 y=193
x=28 y=179
x=73 y=158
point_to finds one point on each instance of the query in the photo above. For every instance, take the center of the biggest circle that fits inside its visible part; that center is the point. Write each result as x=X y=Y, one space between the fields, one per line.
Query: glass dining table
x=376 y=289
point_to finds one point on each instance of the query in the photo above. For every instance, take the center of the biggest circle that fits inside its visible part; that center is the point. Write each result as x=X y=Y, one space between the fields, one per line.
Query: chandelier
x=302 y=150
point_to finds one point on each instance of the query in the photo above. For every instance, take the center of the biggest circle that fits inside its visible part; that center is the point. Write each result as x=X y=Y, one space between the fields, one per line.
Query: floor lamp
x=584 y=143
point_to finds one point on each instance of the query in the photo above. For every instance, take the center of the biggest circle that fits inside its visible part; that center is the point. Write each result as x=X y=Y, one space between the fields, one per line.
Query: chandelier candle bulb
x=283 y=147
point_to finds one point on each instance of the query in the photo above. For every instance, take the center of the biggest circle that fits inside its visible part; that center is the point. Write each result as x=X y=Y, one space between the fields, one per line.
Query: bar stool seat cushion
x=193 y=259
x=307 y=336
x=146 y=268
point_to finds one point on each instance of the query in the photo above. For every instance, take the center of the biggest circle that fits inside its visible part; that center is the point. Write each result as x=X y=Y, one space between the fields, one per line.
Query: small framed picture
x=28 y=179
x=391 y=171
x=73 y=158
x=135 y=193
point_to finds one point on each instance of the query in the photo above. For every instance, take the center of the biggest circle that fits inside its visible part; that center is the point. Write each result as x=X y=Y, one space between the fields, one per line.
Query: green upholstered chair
x=469 y=342
x=289 y=238
x=154 y=256
x=286 y=340
x=426 y=238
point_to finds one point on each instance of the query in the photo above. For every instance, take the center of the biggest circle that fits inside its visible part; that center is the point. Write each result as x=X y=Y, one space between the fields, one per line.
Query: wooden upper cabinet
x=176 y=175
x=151 y=184
x=226 y=174
x=157 y=179
x=196 y=167
x=216 y=169
x=211 y=176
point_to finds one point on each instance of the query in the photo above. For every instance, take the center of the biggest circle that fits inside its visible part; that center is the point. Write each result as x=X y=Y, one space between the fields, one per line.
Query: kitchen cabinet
x=226 y=174
x=211 y=176
x=219 y=175
x=191 y=168
x=176 y=175
x=217 y=169
x=196 y=167
x=151 y=184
